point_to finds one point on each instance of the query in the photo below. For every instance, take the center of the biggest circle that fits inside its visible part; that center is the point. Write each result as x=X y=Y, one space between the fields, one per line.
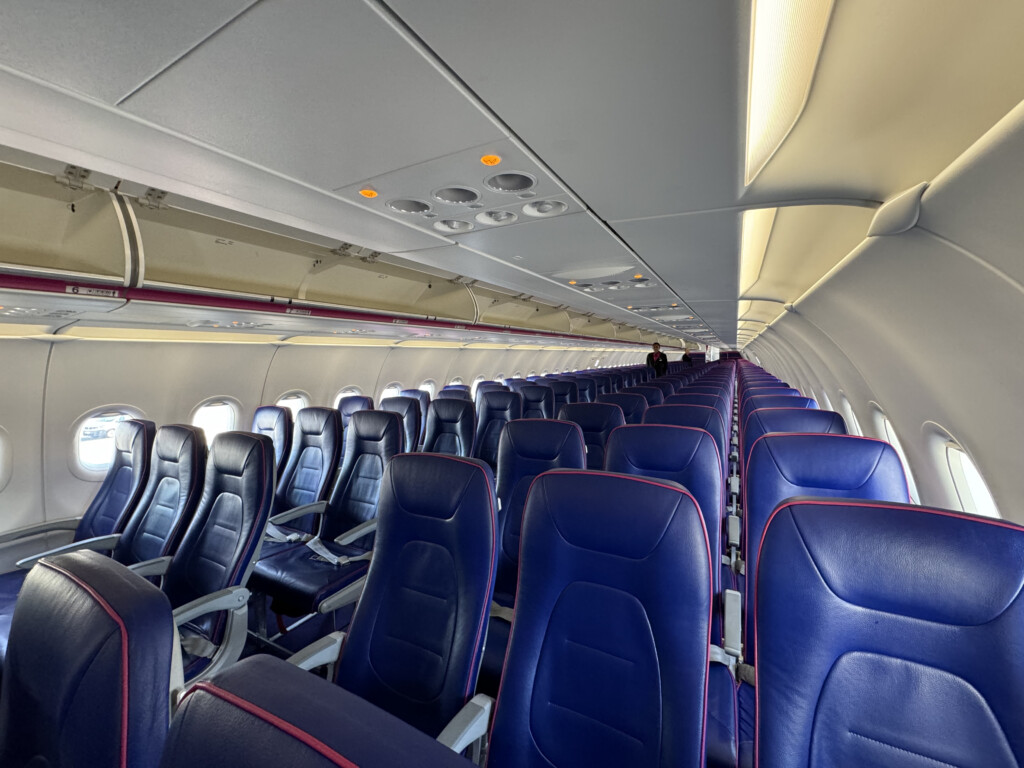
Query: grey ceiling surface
x=71 y=44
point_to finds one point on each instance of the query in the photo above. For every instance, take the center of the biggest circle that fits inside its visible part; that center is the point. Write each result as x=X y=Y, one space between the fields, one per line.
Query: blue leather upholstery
x=86 y=679
x=275 y=422
x=667 y=387
x=490 y=386
x=266 y=713
x=596 y=421
x=633 y=405
x=651 y=394
x=223 y=539
x=316 y=446
x=538 y=402
x=772 y=401
x=424 y=399
x=451 y=426
x=493 y=411
x=699 y=416
x=454 y=394
x=408 y=409
x=889 y=635
x=564 y=392
x=416 y=638
x=607 y=667
x=717 y=402
x=781 y=466
x=617 y=379
x=125 y=481
x=587 y=388
x=350 y=404
x=766 y=420
x=462 y=387
x=772 y=389
x=297 y=579
x=603 y=384
x=516 y=385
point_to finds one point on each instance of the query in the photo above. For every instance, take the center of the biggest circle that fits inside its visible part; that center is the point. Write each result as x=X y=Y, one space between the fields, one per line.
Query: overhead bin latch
x=75 y=177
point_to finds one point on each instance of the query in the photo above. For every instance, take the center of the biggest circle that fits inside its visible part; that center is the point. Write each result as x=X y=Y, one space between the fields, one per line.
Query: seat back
x=717 y=402
x=587 y=389
x=424 y=400
x=633 y=405
x=493 y=411
x=490 y=386
x=122 y=488
x=463 y=387
x=275 y=422
x=699 y=416
x=772 y=401
x=528 y=448
x=316 y=446
x=454 y=394
x=408 y=409
x=177 y=467
x=605 y=666
x=222 y=542
x=451 y=425
x=86 y=678
x=783 y=466
x=596 y=421
x=564 y=392
x=889 y=635
x=651 y=394
x=417 y=635
x=684 y=455
x=667 y=387
x=773 y=389
x=766 y=420
x=516 y=385
x=352 y=403
x=538 y=402
x=602 y=383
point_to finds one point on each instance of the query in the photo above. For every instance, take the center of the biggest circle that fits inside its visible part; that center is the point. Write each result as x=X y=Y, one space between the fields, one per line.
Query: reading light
x=490 y=160
x=368 y=192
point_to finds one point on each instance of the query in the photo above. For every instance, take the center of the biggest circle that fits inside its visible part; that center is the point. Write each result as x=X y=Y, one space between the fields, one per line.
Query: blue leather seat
x=416 y=638
x=769 y=389
x=602 y=383
x=766 y=420
x=693 y=398
x=86 y=681
x=564 y=392
x=528 y=448
x=352 y=403
x=772 y=401
x=617 y=379
x=490 y=386
x=651 y=394
x=454 y=394
x=607 y=667
x=222 y=542
x=633 y=405
x=723 y=391
x=781 y=466
x=538 y=402
x=316 y=446
x=301 y=581
x=275 y=422
x=424 y=399
x=587 y=389
x=451 y=427
x=516 y=385
x=266 y=713
x=889 y=635
x=408 y=409
x=493 y=411
x=667 y=387
x=699 y=416
x=596 y=421
x=463 y=387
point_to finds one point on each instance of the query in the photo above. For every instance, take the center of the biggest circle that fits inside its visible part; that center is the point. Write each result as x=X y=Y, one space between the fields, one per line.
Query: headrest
x=448 y=410
x=700 y=416
x=593 y=417
x=232 y=453
x=316 y=421
x=534 y=393
x=373 y=426
x=463 y=387
x=400 y=405
x=496 y=400
x=352 y=403
x=777 y=401
x=775 y=391
x=544 y=440
x=419 y=394
x=130 y=431
x=765 y=420
x=434 y=485
x=173 y=441
x=453 y=394
x=693 y=398
x=652 y=395
x=562 y=387
x=836 y=463
x=658 y=448
x=270 y=419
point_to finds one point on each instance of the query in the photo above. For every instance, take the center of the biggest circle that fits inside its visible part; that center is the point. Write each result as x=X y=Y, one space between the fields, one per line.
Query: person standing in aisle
x=657 y=360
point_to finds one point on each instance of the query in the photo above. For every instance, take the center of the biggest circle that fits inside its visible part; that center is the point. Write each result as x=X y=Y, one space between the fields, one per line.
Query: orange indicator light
x=368 y=192
x=637 y=276
x=572 y=282
x=490 y=160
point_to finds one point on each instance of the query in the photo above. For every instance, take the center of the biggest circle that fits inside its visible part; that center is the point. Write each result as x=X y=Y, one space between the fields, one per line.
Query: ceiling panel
x=105 y=49
x=321 y=90
x=638 y=106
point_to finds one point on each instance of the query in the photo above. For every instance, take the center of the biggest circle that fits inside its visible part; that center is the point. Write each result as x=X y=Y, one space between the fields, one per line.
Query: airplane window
x=215 y=416
x=971 y=488
x=476 y=383
x=517 y=375
x=430 y=387
x=886 y=431
x=346 y=392
x=532 y=373
x=851 y=418
x=294 y=402
x=394 y=389
x=456 y=380
x=94 y=438
x=545 y=372
x=499 y=377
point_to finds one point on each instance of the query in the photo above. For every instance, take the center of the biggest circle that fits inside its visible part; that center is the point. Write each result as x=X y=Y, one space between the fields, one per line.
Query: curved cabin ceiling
x=621 y=130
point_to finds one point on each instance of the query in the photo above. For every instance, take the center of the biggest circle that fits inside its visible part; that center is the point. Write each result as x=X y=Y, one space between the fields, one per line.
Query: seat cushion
x=298 y=579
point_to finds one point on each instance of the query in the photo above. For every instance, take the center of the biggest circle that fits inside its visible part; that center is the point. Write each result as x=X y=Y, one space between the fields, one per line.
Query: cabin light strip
x=786 y=38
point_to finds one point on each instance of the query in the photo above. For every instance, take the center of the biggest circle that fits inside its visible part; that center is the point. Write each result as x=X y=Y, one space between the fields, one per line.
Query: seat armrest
x=65 y=524
x=326 y=650
x=96 y=544
x=316 y=508
x=221 y=600
x=469 y=725
x=156 y=567
x=355 y=534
